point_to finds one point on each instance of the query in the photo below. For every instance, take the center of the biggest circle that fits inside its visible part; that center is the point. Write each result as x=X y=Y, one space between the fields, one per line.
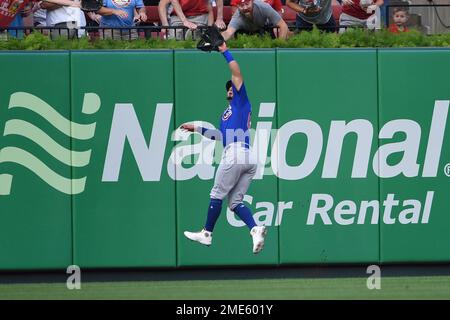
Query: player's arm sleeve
x=240 y=95
x=212 y=134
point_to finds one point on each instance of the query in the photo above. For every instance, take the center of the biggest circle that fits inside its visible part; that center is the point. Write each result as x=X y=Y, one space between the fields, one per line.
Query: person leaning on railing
x=355 y=13
x=66 y=17
x=316 y=12
x=39 y=15
x=255 y=17
x=276 y=4
x=219 y=19
x=119 y=14
x=186 y=13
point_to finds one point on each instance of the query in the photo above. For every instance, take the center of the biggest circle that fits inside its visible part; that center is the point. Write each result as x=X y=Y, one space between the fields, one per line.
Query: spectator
x=313 y=12
x=276 y=4
x=16 y=23
x=27 y=15
x=383 y=10
x=219 y=19
x=254 y=16
x=165 y=9
x=187 y=13
x=119 y=14
x=22 y=19
x=356 y=12
x=39 y=15
x=400 y=17
x=68 y=19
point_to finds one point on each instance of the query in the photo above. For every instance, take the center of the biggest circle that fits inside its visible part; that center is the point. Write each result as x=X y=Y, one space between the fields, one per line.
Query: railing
x=131 y=33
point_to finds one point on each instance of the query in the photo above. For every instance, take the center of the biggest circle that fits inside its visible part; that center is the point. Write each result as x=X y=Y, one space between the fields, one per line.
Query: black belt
x=65 y=23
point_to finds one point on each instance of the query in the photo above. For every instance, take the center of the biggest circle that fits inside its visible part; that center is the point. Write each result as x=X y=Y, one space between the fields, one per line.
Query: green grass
x=434 y=287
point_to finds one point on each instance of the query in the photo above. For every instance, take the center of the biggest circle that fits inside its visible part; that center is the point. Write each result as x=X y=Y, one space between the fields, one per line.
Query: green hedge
x=315 y=39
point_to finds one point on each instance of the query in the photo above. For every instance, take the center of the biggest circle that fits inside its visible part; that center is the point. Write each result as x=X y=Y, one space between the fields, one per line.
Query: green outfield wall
x=354 y=151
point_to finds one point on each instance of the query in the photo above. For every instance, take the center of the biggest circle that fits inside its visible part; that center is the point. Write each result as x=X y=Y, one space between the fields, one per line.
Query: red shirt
x=394 y=29
x=355 y=10
x=192 y=8
x=9 y=9
x=276 y=4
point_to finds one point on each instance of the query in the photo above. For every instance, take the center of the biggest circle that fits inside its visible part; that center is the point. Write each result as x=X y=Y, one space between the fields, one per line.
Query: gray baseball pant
x=234 y=174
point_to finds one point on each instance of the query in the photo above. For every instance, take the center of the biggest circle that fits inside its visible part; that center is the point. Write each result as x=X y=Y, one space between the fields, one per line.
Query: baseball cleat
x=258 y=235
x=203 y=237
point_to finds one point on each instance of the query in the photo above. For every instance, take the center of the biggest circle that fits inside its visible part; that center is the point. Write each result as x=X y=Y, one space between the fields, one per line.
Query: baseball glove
x=91 y=5
x=211 y=40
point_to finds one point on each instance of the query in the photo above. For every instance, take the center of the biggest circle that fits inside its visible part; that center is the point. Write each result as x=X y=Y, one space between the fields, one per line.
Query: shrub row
x=315 y=39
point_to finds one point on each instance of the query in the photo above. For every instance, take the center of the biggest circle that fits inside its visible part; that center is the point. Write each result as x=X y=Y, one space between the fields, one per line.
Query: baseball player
x=237 y=166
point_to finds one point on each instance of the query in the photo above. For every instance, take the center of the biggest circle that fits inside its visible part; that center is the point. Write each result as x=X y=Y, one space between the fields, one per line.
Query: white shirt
x=65 y=14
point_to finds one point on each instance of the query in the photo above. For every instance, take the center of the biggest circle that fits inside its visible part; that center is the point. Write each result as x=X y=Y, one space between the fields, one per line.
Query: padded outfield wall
x=354 y=148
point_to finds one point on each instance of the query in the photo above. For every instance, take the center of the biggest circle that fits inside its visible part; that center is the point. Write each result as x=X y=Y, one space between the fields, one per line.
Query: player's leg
x=227 y=176
x=236 y=197
x=235 y=203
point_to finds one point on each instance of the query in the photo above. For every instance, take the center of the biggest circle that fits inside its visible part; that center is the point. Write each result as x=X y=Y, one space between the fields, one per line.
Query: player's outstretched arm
x=212 y=134
x=236 y=75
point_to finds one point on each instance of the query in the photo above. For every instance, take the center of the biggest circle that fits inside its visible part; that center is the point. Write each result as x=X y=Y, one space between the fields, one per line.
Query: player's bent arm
x=284 y=29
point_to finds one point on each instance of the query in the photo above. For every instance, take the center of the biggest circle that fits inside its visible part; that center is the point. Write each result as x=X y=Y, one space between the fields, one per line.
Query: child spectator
x=400 y=17
x=121 y=13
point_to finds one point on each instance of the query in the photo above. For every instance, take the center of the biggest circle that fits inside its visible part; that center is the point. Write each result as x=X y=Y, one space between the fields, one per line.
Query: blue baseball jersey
x=125 y=5
x=236 y=119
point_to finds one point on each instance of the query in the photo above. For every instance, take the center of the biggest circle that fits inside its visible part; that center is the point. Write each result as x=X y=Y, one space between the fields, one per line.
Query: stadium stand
x=152 y=14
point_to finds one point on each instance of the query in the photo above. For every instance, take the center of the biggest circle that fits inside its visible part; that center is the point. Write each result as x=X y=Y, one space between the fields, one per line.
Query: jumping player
x=237 y=166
